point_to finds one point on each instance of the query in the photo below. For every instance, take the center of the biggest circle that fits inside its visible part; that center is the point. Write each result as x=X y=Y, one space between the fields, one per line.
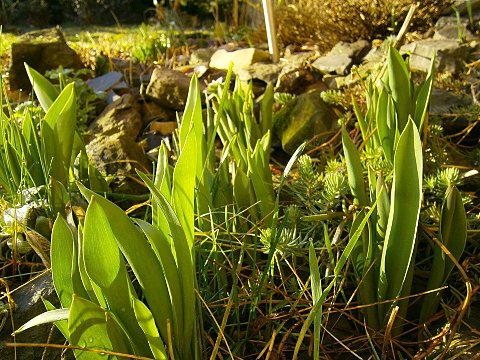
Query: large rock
x=450 y=54
x=305 y=117
x=267 y=73
x=355 y=51
x=296 y=74
x=168 y=88
x=122 y=116
x=448 y=28
x=241 y=59
x=43 y=50
x=114 y=149
x=28 y=304
x=333 y=64
x=201 y=56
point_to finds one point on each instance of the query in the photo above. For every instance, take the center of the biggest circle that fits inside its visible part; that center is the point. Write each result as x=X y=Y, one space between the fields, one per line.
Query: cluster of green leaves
x=384 y=259
x=246 y=141
x=39 y=147
x=86 y=98
x=100 y=308
x=383 y=232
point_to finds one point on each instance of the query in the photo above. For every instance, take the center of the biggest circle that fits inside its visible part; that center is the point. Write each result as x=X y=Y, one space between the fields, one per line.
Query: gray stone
x=105 y=82
x=122 y=116
x=295 y=82
x=201 y=56
x=296 y=74
x=305 y=117
x=114 y=149
x=356 y=50
x=154 y=112
x=333 y=64
x=448 y=28
x=42 y=50
x=450 y=54
x=267 y=73
x=462 y=7
x=241 y=59
x=375 y=55
x=300 y=60
x=28 y=304
x=444 y=101
x=168 y=88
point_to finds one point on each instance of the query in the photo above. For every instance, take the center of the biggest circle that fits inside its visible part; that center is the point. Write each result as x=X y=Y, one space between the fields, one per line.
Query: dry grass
x=327 y=22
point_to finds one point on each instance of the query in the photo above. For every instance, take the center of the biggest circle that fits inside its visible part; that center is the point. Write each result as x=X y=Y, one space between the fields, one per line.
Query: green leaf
x=184 y=261
x=147 y=323
x=57 y=132
x=44 y=318
x=105 y=267
x=400 y=87
x=453 y=234
x=354 y=169
x=316 y=295
x=65 y=272
x=423 y=97
x=88 y=329
x=62 y=325
x=406 y=197
x=104 y=264
x=45 y=91
x=162 y=248
x=183 y=190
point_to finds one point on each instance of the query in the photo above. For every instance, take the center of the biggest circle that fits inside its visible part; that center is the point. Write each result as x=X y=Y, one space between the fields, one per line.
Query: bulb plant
x=385 y=258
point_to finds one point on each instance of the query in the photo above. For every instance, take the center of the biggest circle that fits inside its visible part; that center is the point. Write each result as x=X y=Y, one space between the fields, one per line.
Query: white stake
x=271 y=30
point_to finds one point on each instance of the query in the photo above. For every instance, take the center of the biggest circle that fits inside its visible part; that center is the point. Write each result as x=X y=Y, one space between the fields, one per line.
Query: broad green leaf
x=45 y=91
x=453 y=234
x=59 y=196
x=91 y=334
x=183 y=190
x=406 y=197
x=162 y=248
x=453 y=226
x=44 y=318
x=103 y=260
x=423 y=97
x=241 y=189
x=163 y=182
x=63 y=257
x=89 y=286
x=383 y=207
x=354 y=169
x=141 y=258
x=400 y=87
x=261 y=179
x=105 y=267
x=119 y=336
x=60 y=120
x=183 y=259
x=32 y=139
x=266 y=109
x=61 y=325
x=147 y=323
